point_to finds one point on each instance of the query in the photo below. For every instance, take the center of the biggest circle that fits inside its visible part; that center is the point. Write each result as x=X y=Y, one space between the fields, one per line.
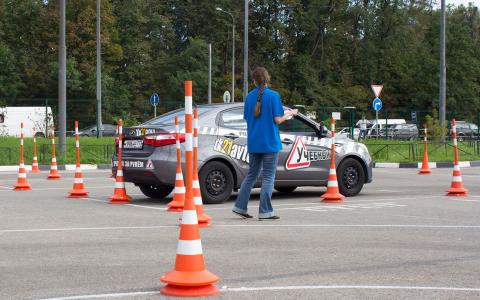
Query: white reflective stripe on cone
x=54 y=159
x=35 y=164
x=455 y=142
x=53 y=142
x=457 y=179
x=188 y=108
x=120 y=144
x=22 y=175
x=332 y=183
x=22 y=166
x=333 y=172
x=53 y=167
x=77 y=144
x=189 y=217
x=120 y=130
x=193 y=247
x=179 y=190
x=78 y=180
x=119 y=185
x=195 y=142
x=179 y=176
x=34 y=158
x=196 y=184
x=119 y=172
x=178 y=144
x=78 y=170
x=456 y=168
x=21 y=142
x=188 y=142
x=197 y=200
x=454 y=128
x=76 y=130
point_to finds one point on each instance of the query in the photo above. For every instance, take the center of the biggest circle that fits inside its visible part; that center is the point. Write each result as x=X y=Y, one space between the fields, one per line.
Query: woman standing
x=263 y=112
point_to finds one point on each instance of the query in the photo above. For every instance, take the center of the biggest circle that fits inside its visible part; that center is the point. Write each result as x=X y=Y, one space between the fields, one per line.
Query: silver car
x=149 y=155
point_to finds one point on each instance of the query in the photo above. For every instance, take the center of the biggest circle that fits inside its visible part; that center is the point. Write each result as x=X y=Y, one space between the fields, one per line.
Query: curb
x=432 y=165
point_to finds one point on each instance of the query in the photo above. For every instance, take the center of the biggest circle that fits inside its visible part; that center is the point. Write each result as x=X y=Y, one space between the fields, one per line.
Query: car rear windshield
x=169 y=118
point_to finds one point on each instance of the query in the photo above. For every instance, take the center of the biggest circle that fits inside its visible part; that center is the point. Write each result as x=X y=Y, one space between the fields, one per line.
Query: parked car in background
x=107 y=130
x=401 y=132
x=466 y=130
x=381 y=126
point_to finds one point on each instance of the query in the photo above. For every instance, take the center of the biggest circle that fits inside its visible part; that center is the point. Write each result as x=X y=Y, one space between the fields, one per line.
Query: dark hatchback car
x=150 y=156
x=402 y=131
x=466 y=130
x=107 y=130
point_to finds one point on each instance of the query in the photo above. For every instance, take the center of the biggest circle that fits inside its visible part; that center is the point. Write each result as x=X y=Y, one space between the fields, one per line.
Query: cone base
x=457 y=192
x=187 y=291
x=204 y=224
x=189 y=278
x=175 y=206
x=203 y=217
x=22 y=187
x=425 y=171
x=120 y=199
x=54 y=177
x=332 y=198
x=78 y=194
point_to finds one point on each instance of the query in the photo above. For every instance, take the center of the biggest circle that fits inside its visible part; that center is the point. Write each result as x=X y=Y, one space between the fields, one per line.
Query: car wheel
x=460 y=138
x=155 y=191
x=351 y=177
x=39 y=135
x=285 y=189
x=216 y=182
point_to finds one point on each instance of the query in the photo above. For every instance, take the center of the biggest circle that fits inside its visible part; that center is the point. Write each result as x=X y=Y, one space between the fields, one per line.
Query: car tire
x=351 y=177
x=155 y=191
x=216 y=182
x=461 y=137
x=285 y=189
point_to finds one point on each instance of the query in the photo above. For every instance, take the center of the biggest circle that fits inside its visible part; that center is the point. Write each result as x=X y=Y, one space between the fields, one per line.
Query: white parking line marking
x=59 y=189
x=283 y=288
x=327 y=207
x=149 y=207
x=262 y=225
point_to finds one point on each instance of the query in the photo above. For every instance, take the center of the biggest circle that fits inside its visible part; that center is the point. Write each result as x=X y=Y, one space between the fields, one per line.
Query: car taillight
x=162 y=139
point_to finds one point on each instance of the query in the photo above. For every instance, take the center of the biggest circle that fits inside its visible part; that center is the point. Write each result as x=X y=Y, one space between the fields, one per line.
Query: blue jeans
x=268 y=162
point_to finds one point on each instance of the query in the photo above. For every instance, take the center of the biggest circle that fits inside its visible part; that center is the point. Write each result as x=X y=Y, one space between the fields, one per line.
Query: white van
x=382 y=124
x=37 y=117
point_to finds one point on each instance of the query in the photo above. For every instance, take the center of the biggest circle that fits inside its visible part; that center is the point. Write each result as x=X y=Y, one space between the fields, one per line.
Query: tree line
x=320 y=53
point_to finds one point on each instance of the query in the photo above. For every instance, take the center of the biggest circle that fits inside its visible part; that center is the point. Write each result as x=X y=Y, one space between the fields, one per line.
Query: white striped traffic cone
x=78 y=190
x=179 y=192
x=120 y=193
x=456 y=189
x=35 y=168
x=53 y=175
x=425 y=167
x=189 y=278
x=22 y=183
x=203 y=218
x=333 y=194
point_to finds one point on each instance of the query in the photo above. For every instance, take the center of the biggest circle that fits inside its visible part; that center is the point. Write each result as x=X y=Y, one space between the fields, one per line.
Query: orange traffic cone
x=78 y=190
x=456 y=189
x=35 y=168
x=189 y=278
x=120 y=193
x=53 y=166
x=22 y=183
x=179 y=192
x=333 y=194
x=425 y=167
x=203 y=218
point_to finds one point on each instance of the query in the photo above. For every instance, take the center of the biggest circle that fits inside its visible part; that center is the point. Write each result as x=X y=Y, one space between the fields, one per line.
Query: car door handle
x=231 y=136
x=287 y=141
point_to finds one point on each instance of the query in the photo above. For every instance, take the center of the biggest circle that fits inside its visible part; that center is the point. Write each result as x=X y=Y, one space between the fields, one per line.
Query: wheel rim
x=350 y=177
x=216 y=182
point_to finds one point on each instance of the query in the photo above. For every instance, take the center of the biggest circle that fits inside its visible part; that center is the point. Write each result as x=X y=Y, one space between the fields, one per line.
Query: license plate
x=133 y=144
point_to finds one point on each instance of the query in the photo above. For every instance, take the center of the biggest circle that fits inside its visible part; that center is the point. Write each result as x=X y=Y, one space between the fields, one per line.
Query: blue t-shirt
x=263 y=133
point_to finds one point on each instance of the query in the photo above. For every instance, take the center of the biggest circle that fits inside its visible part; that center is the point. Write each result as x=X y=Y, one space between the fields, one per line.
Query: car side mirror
x=321 y=132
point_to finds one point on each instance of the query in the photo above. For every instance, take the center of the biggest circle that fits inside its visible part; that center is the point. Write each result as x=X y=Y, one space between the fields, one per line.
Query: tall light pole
x=209 y=73
x=99 y=75
x=233 y=52
x=245 y=53
x=443 y=77
x=62 y=83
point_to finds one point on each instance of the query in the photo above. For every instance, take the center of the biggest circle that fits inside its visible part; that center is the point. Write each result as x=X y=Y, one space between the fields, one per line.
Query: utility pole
x=99 y=75
x=62 y=83
x=245 y=53
x=233 y=52
x=443 y=77
x=209 y=73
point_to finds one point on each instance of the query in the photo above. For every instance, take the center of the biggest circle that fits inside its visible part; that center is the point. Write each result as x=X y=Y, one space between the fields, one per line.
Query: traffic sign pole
x=154 y=100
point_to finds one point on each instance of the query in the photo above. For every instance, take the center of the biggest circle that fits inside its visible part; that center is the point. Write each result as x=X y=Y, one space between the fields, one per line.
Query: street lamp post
x=245 y=52
x=233 y=52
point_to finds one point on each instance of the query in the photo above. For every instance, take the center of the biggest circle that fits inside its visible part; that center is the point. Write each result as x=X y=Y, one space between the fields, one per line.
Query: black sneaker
x=243 y=215
x=269 y=218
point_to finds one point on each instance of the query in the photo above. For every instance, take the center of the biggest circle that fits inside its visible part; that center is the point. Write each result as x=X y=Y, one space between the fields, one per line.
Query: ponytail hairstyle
x=261 y=77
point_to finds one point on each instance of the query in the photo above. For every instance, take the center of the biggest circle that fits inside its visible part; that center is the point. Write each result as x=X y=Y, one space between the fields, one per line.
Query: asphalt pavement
x=401 y=238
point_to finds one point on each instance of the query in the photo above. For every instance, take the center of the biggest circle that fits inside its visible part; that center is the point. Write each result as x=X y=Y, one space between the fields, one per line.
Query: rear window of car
x=169 y=118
